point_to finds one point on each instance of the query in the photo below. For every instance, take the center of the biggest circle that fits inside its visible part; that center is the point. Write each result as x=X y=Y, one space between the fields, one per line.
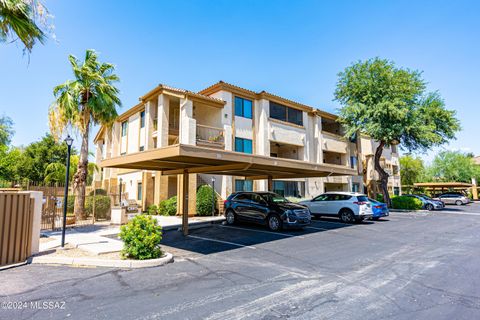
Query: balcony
x=334 y=143
x=211 y=137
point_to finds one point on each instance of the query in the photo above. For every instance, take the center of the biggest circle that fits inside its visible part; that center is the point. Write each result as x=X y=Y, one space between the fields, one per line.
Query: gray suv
x=453 y=198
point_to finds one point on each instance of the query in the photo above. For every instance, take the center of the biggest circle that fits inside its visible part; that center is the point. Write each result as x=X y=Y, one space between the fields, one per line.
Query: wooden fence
x=16 y=221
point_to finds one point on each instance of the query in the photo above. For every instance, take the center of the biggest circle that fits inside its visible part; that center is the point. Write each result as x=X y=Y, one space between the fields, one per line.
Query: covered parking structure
x=183 y=159
x=448 y=186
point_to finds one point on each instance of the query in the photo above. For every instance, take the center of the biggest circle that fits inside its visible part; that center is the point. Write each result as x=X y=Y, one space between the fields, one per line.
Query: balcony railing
x=210 y=136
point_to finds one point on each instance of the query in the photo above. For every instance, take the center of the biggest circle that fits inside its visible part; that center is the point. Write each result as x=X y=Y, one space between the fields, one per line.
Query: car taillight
x=378 y=207
x=225 y=202
x=360 y=202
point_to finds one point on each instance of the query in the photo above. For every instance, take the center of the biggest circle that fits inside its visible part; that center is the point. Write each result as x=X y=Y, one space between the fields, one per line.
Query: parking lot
x=411 y=265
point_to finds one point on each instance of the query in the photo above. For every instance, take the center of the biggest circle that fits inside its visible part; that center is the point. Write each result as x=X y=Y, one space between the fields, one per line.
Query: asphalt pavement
x=407 y=266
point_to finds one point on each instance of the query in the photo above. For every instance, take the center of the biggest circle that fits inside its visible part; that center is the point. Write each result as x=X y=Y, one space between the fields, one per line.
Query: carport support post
x=185 y=203
x=270 y=183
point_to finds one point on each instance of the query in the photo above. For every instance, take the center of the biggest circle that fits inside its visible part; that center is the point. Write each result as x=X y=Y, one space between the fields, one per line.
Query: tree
x=9 y=163
x=453 y=166
x=55 y=171
x=391 y=105
x=38 y=155
x=411 y=170
x=6 y=130
x=23 y=19
x=91 y=98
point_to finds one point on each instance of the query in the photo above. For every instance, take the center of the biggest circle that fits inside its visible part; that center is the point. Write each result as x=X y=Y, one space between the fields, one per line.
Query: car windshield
x=274 y=198
x=426 y=197
x=373 y=201
x=362 y=198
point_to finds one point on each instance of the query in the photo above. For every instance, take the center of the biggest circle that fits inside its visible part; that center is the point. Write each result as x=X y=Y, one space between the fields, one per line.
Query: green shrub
x=98 y=192
x=205 y=197
x=141 y=237
x=102 y=206
x=379 y=197
x=152 y=209
x=168 y=207
x=408 y=203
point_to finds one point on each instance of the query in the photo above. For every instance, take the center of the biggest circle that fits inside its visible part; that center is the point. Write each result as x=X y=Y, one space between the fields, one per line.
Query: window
x=142 y=119
x=353 y=162
x=284 y=113
x=139 y=191
x=355 y=187
x=322 y=197
x=243 y=197
x=124 y=128
x=289 y=188
x=243 y=145
x=243 y=107
x=396 y=191
x=243 y=185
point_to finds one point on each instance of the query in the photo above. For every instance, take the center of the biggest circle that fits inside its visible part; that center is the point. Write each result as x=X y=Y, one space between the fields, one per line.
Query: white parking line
x=221 y=241
x=463 y=213
x=263 y=231
x=322 y=221
x=315 y=228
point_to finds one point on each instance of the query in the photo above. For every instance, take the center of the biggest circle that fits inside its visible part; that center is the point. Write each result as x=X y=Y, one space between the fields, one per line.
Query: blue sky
x=291 y=48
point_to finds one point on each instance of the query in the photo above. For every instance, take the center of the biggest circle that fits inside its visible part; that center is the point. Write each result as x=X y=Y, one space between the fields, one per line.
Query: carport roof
x=182 y=158
x=442 y=185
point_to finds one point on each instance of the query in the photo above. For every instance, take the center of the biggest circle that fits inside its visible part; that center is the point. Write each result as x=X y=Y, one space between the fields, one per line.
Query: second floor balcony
x=208 y=136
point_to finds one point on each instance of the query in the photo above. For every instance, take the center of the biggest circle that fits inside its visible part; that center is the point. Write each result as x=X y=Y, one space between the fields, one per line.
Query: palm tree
x=90 y=99
x=19 y=18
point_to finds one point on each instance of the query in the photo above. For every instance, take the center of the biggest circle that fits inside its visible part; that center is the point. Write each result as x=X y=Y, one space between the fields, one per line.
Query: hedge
x=165 y=208
x=141 y=237
x=408 y=203
x=205 y=197
x=102 y=206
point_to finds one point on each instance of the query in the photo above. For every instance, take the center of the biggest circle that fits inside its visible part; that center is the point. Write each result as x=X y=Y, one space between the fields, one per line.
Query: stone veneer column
x=187 y=135
x=262 y=143
x=161 y=182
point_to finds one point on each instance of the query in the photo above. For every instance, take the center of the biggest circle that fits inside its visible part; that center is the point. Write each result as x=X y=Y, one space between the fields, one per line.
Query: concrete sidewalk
x=101 y=238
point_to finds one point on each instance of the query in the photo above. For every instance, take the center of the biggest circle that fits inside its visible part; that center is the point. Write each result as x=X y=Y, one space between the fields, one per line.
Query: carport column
x=270 y=183
x=262 y=142
x=184 y=201
x=474 y=189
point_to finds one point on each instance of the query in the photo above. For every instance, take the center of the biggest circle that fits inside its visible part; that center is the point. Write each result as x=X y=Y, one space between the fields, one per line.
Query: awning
x=182 y=158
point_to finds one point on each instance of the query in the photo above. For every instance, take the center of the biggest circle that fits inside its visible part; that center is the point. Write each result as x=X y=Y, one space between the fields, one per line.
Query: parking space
x=220 y=237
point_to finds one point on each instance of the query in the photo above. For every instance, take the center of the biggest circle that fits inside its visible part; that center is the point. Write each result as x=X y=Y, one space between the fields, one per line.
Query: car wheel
x=274 y=222
x=458 y=203
x=231 y=217
x=347 y=216
x=429 y=207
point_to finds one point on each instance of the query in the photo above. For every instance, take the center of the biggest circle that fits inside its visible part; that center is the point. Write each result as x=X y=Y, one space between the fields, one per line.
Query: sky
x=294 y=49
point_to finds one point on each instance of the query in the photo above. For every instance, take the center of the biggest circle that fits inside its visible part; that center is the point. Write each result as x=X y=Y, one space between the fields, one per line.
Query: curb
x=132 y=264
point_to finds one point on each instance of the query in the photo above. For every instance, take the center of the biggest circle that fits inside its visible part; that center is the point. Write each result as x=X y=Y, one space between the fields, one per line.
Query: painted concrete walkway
x=101 y=238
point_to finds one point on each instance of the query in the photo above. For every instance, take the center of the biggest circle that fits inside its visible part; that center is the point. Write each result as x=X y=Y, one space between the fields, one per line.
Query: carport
x=182 y=159
x=445 y=186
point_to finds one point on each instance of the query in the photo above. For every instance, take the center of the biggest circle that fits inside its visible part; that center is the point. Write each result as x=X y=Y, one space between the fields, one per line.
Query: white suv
x=348 y=206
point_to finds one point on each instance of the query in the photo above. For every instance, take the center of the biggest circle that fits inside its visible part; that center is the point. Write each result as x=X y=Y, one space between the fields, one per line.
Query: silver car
x=453 y=198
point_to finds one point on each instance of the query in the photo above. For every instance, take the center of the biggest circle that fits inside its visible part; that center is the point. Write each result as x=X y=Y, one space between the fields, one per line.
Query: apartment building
x=240 y=121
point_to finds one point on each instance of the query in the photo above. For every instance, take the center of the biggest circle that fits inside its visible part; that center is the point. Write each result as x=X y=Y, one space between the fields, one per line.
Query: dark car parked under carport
x=266 y=208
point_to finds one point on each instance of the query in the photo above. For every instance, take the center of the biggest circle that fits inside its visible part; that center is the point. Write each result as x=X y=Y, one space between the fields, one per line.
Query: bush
x=379 y=197
x=98 y=192
x=102 y=206
x=141 y=237
x=152 y=209
x=205 y=197
x=168 y=207
x=408 y=203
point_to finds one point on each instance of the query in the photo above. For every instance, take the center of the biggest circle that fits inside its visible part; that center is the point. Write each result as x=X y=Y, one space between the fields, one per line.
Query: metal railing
x=210 y=136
